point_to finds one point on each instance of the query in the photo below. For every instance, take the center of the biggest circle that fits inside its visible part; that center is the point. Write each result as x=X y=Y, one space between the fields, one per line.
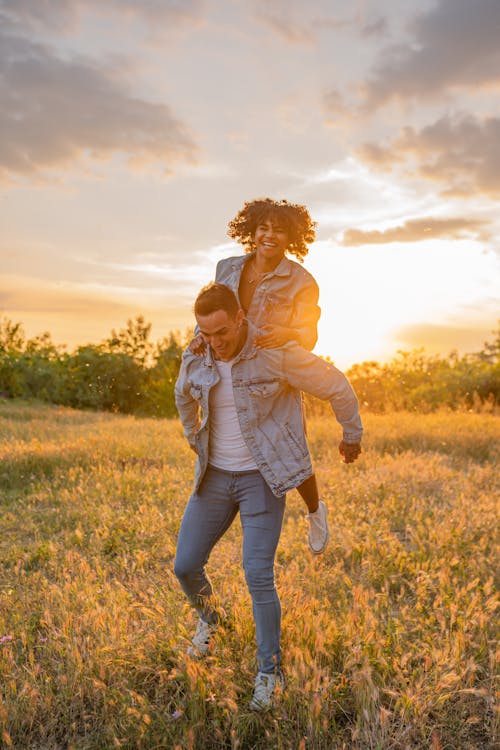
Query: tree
x=133 y=341
x=491 y=350
x=12 y=336
x=159 y=388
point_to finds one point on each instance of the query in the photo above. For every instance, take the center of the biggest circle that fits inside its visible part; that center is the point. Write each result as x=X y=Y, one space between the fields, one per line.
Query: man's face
x=271 y=240
x=223 y=333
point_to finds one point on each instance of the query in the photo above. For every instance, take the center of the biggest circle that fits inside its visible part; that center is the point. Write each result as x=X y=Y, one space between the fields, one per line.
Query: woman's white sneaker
x=263 y=692
x=319 y=533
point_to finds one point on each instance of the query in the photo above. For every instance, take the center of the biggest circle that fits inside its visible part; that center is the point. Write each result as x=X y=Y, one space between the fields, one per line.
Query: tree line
x=130 y=373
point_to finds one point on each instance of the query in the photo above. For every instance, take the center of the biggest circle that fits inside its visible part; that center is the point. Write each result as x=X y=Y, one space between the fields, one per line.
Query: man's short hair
x=215 y=297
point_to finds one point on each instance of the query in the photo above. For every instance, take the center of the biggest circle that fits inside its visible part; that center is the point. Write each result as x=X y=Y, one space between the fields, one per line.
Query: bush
x=130 y=374
x=101 y=380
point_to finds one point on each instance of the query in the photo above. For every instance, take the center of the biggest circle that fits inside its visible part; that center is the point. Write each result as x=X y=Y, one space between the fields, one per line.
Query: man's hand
x=350 y=451
x=197 y=345
x=273 y=336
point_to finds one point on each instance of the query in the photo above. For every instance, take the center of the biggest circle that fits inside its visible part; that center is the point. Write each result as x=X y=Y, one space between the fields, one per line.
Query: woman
x=280 y=297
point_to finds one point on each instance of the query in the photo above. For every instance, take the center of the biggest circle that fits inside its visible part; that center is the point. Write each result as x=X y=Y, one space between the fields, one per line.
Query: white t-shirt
x=227 y=449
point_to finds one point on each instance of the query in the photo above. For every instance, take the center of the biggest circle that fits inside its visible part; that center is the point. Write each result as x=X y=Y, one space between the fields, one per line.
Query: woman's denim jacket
x=266 y=386
x=287 y=296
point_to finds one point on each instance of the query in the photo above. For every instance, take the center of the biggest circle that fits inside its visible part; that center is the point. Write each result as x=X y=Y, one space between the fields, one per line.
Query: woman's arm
x=306 y=313
x=302 y=325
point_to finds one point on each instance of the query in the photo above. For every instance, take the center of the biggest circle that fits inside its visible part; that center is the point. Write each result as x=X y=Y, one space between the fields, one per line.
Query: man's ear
x=240 y=316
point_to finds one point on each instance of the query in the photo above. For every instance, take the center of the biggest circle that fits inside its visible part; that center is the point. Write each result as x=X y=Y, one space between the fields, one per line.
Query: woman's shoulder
x=233 y=260
x=299 y=273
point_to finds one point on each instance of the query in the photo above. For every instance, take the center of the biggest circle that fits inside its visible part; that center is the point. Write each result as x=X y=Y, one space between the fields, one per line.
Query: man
x=240 y=407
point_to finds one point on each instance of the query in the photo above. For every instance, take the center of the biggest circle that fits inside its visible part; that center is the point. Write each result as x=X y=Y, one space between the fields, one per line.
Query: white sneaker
x=319 y=533
x=265 y=685
x=201 y=639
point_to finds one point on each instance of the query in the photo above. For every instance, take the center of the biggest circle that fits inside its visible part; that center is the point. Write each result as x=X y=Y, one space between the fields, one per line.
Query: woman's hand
x=197 y=345
x=273 y=336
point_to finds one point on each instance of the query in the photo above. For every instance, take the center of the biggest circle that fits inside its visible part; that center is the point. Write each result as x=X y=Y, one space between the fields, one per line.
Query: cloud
x=454 y=45
x=377 y=28
x=54 y=111
x=415 y=230
x=293 y=21
x=443 y=339
x=64 y=15
x=284 y=25
x=78 y=313
x=461 y=151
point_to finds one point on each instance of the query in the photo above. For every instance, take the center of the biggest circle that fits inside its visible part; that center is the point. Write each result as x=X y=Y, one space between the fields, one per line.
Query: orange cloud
x=415 y=230
x=463 y=152
x=76 y=315
x=443 y=339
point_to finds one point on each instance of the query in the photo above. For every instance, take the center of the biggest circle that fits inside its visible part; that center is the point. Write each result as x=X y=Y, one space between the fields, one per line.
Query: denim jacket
x=266 y=386
x=287 y=296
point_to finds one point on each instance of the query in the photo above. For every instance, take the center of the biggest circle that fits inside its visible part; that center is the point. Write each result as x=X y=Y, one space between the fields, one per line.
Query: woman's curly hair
x=294 y=219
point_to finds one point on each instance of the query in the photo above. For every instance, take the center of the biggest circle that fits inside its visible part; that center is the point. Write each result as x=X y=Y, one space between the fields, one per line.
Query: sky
x=131 y=133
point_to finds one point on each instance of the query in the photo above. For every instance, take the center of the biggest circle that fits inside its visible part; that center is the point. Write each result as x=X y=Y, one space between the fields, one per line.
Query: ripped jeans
x=209 y=513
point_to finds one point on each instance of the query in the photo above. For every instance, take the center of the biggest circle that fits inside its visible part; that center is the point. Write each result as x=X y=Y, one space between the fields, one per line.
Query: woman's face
x=271 y=240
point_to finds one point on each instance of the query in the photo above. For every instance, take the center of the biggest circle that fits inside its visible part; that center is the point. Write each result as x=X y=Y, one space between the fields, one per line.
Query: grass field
x=388 y=638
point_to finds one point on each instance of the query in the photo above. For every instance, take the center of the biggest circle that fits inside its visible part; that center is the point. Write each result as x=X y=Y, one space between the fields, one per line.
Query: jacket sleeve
x=305 y=315
x=313 y=375
x=219 y=268
x=187 y=405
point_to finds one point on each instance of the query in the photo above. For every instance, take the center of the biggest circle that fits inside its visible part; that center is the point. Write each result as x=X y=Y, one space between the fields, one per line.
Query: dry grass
x=388 y=638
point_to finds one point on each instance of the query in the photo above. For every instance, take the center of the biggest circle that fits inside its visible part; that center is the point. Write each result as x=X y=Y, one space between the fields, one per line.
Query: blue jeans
x=209 y=513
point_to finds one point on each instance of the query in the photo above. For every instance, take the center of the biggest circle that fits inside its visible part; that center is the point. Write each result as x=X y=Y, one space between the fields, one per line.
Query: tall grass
x=388 y=638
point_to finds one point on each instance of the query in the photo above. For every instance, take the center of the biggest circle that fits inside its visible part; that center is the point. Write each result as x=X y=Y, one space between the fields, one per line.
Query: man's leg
x=261 y=515
x=208 y=515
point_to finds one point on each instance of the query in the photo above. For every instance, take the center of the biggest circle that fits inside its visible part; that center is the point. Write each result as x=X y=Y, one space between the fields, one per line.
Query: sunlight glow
x=368 y=294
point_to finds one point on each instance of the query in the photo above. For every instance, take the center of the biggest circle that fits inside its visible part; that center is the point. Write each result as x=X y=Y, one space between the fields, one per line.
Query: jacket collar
x=284 y=267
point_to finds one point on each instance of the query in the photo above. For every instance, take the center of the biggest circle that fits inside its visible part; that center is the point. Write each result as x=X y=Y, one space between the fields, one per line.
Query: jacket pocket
x=297 y=447
x=278 y=309
x=264 y=388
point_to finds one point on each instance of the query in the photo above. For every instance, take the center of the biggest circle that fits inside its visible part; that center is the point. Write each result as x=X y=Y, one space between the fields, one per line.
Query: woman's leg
x=308 y=491
x=319 y=533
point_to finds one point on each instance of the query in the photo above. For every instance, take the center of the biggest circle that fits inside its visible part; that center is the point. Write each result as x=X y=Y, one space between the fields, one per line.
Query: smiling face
x=271 y=241
x=224 y=334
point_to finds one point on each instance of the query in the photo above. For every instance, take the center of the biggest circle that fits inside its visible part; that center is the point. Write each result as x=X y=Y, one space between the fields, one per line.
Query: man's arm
x=187 y=406
x=313 y=375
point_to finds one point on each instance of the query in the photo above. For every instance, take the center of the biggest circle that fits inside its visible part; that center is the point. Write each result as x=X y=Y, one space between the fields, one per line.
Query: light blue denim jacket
x=266 y=386
x=286 y=296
